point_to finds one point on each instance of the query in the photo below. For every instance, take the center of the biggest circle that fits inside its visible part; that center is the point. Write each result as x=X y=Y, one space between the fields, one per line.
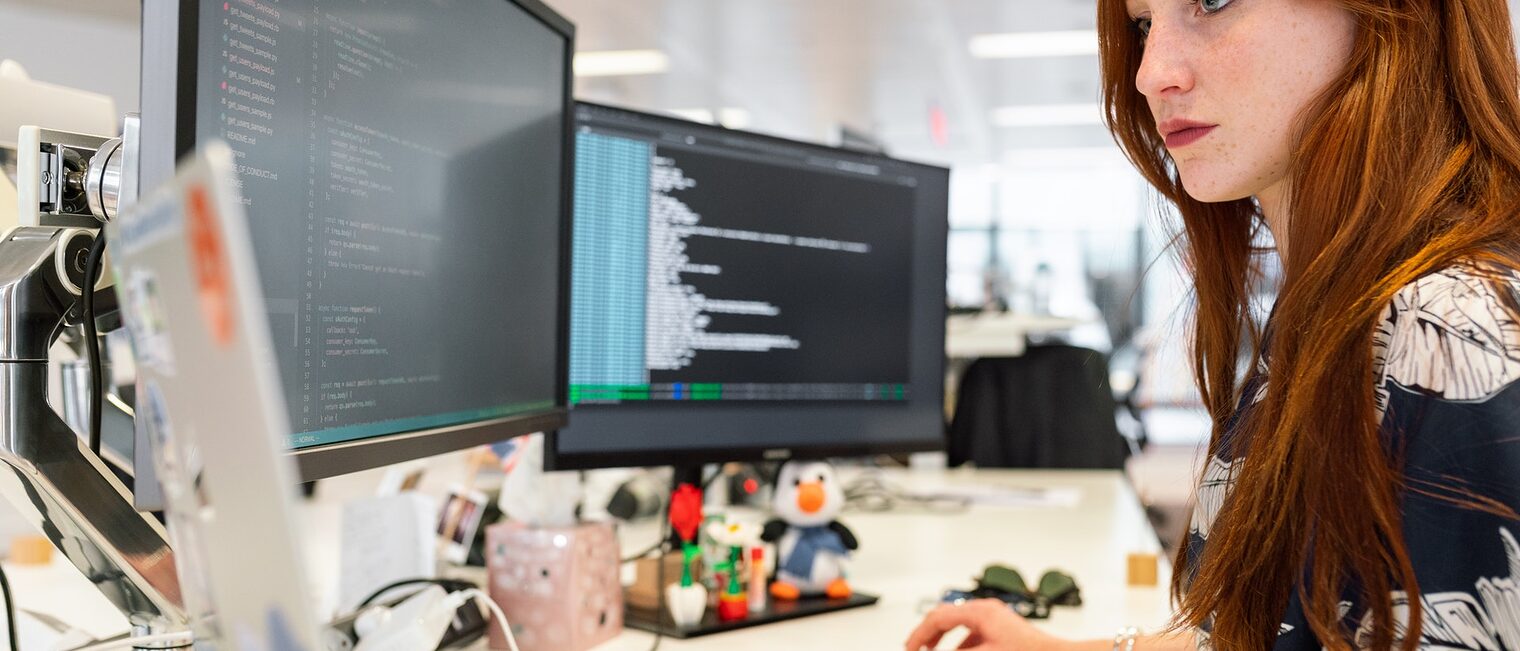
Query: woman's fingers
x=944 y=619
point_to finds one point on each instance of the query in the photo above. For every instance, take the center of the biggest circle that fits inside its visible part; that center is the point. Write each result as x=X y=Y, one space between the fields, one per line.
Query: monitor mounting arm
x=47 y=472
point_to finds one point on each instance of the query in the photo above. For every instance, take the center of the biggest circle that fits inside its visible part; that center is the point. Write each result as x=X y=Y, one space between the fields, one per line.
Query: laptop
x=213 y=408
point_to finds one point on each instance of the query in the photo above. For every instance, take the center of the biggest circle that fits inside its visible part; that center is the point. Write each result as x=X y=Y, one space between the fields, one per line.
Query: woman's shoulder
x=1453 y=334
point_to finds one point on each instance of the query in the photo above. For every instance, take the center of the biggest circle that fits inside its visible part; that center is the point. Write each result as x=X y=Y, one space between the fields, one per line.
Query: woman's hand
x=993 y=628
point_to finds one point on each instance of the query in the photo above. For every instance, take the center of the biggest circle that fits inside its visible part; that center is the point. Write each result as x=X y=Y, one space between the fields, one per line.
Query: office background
x=1046 y=214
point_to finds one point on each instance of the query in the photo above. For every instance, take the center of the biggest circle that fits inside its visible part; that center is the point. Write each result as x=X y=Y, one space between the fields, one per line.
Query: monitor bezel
x=555 y=459
x=175 y=51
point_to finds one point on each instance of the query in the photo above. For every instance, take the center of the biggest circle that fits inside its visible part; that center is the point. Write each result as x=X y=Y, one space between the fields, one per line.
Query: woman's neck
x=1274 y=209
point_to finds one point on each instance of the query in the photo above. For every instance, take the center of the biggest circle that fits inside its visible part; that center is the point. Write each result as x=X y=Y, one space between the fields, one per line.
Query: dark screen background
x=401 y=162
x=848 y=310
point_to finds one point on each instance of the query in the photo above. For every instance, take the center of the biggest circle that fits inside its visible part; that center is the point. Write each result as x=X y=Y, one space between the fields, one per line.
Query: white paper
x=1005 y=496
x=384 y=539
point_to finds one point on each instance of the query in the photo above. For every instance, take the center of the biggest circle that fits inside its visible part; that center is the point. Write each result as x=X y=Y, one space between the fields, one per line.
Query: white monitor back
x=213 y=408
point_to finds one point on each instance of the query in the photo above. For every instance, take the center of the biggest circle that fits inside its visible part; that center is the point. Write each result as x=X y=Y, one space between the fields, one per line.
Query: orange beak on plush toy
x=810 y=496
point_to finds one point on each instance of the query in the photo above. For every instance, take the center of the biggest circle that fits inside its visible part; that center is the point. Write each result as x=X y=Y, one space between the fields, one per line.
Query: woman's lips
x=1185 y=137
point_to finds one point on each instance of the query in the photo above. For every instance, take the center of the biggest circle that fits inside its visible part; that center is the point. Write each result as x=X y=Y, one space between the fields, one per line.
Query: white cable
x=500 y=617
x=124 y=642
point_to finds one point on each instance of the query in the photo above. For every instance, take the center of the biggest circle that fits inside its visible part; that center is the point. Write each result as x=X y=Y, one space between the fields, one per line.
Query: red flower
x=686 y=511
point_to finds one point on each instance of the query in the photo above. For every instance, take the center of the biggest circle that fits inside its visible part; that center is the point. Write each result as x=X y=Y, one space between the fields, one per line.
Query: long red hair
x=1408 y=162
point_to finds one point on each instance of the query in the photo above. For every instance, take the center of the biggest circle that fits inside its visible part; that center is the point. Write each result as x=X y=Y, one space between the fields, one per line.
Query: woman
x=1364 y=473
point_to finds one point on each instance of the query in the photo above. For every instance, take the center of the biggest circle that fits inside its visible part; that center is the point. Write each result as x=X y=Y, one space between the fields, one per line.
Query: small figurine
x=733 y=536
x=686 y=600
x=811 y=546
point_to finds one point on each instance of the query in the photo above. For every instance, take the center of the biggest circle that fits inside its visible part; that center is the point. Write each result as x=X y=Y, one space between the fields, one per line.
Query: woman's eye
x=1211 y=6
x=1144 y=26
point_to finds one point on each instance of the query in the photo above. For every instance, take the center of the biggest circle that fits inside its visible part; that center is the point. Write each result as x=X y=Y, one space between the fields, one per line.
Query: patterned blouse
x=1446 y=360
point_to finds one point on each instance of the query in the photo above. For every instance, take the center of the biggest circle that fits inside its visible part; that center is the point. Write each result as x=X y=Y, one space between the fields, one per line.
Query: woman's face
x=1227 y=80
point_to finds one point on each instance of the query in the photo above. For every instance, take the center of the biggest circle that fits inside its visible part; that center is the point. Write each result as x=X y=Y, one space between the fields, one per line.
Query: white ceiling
x=799 y=68
x=804 y=67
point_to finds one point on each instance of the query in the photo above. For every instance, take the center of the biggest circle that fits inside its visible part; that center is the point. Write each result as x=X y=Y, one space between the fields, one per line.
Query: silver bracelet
x=1125 y=638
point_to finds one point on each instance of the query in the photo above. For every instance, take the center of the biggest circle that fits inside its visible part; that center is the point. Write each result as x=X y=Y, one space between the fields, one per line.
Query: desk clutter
x=558 y=580
x=782 y=551
x=30 y=550
x=724 y=577
x=555 y=579
x=899 y=554
x=1005 y=584
x=558 y=585
x=1143 y=569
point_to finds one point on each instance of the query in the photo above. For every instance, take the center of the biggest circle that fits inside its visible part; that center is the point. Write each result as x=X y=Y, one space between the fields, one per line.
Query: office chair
x=1048 y=408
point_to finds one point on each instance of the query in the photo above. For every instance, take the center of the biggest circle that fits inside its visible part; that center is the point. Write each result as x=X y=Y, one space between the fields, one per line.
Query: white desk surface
x=969 y=336
x=906 y=557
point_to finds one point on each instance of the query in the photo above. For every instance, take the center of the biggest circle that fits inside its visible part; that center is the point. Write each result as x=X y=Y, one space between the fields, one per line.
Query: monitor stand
x=47 y=472
x=659 y=622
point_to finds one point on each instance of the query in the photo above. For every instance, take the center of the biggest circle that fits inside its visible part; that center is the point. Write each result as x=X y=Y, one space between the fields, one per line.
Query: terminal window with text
x=717 y=266
x=405 y=209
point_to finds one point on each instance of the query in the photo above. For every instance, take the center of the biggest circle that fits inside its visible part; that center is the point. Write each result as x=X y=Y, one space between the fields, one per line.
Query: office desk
x=909 y=556
x=905 y=556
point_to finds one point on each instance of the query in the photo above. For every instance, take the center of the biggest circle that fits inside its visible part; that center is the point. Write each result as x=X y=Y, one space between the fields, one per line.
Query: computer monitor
x=738 y=296
x=406 y=170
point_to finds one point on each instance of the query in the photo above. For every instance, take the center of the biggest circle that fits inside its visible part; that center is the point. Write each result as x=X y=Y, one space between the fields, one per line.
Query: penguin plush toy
x=811 y=546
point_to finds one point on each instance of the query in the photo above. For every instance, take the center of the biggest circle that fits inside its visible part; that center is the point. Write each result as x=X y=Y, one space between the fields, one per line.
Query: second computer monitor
x=405 y=168
x=739 y=296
